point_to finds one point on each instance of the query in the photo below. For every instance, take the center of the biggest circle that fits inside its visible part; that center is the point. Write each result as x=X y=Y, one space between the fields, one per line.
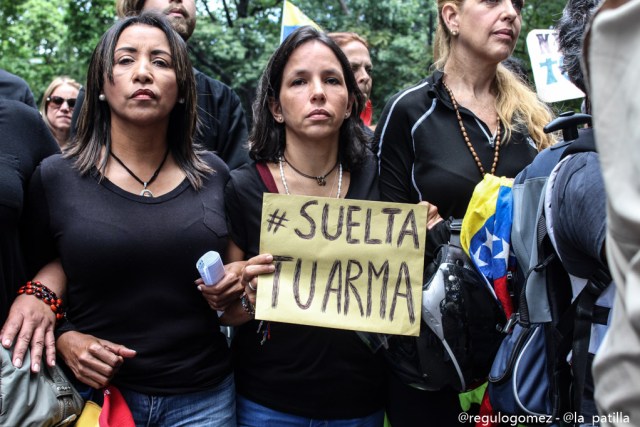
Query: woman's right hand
x=92 y=360
x=30 y=324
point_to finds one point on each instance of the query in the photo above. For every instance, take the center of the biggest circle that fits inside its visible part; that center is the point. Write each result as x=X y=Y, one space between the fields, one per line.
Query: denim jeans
x=210 y=408
x=251 y=414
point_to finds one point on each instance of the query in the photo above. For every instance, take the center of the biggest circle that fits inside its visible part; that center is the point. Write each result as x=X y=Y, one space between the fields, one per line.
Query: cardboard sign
x=346 y=264
x=552 y=84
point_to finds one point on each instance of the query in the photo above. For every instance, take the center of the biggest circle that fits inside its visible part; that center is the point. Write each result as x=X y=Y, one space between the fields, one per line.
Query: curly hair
x=571 y=27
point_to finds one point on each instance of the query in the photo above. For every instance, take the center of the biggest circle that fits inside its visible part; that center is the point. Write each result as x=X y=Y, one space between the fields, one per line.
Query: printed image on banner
x=345 y=264
x=552 y=85
x=293 y=18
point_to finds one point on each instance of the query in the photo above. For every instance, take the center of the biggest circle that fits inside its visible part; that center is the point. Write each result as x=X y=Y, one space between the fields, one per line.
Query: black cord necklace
x=320 y=179
x=145 y=191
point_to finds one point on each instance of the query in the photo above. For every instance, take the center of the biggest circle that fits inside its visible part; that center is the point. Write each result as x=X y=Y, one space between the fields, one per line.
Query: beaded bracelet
x=247 y=306
x=47 y=296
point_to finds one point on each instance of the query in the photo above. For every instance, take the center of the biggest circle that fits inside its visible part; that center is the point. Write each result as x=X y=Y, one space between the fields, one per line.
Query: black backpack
x=460 y=327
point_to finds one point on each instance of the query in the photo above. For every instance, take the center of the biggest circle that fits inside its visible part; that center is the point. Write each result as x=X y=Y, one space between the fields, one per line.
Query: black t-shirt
x=307 y=371
x=24 y=142
x=423 y=156
x=131 y=266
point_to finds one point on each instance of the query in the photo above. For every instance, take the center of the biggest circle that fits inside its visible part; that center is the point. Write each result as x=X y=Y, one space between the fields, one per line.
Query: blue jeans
x=251 y=414
x=211 y=408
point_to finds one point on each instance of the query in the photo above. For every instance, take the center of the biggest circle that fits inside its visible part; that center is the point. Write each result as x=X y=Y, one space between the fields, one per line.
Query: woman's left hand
x=254 y=267
x=227 y=291
x=433 y=216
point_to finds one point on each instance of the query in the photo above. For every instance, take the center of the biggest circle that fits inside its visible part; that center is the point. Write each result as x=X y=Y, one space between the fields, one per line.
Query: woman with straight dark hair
x=306 y=140
x=128 y=210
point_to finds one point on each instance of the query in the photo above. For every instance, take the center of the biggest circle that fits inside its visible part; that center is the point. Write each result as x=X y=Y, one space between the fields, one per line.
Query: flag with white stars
x=486 y=234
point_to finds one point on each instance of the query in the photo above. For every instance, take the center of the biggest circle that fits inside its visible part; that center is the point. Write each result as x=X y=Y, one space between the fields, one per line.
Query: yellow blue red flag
x=486 y=234
x=292 y=18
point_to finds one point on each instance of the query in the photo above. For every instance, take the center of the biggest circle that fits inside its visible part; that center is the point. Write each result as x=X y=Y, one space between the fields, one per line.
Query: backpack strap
x=585 y=143
x=584 y=318
x=455 y=227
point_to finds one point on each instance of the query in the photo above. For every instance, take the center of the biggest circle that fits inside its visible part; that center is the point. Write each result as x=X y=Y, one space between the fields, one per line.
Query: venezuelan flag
x=486 y=234
x=293 y=18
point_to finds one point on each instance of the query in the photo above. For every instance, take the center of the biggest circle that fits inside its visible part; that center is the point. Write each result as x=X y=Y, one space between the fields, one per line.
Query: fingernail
x=17 y=363
x=7 y=343
x=36 y=367
x=52 y=362
x=200 y=288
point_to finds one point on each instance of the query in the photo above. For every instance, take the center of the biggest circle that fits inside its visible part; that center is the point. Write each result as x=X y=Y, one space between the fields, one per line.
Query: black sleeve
x=235 y=215
x=39 y=244
x=223 y=123
x=396 y=155
x=236 y=151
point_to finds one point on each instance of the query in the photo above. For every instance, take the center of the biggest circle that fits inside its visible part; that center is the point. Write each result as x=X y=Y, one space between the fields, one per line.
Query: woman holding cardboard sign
x=306 y=140
x=439 y=138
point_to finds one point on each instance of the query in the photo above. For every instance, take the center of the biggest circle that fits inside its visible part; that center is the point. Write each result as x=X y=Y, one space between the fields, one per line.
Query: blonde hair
x=518 y=106
x=55 y=84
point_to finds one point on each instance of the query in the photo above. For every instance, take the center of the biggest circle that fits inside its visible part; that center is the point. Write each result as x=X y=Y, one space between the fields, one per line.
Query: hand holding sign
x=346 y=264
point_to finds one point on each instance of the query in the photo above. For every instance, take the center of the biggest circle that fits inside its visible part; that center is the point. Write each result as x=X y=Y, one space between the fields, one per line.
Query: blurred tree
x=42 y=39
x=235 y=43
x=234 y=38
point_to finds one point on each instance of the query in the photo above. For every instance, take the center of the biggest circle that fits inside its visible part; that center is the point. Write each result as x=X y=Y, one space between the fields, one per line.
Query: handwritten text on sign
x=347 y=264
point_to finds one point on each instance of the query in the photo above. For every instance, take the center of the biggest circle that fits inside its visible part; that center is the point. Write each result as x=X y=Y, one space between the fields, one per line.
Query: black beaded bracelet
x=45 y=294
x=247 y=306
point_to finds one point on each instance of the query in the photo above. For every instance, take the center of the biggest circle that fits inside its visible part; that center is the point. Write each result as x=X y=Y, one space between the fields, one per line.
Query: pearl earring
x=181 y=101
x=101 y=97
x=454 y=33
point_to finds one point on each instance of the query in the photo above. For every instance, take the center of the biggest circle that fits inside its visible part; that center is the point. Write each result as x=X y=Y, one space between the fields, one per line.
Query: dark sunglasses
x=58 y=100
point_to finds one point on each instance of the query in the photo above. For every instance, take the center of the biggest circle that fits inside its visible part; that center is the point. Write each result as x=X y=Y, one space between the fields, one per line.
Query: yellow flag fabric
x=293 y=18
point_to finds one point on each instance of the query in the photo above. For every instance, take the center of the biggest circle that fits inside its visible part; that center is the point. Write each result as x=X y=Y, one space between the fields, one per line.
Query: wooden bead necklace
x=496 y=151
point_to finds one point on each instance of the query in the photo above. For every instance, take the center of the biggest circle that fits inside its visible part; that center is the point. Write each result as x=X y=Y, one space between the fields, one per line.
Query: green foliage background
x=41 y=39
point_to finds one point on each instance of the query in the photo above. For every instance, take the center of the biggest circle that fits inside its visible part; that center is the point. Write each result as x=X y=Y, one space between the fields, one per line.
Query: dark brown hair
x=267 y=138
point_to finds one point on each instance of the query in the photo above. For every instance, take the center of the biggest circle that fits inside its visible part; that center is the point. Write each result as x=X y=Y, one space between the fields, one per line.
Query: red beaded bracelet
x=47 y=296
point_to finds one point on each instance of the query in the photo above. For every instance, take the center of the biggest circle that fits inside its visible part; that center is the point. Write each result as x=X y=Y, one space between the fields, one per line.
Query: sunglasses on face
x=58 y=101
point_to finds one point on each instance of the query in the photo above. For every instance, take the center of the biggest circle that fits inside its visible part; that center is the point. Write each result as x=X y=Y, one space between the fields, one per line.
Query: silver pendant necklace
x=284 y=180
x=145 y=191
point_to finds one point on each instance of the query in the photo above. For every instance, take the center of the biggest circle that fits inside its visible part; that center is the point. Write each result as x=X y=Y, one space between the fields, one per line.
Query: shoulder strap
x=455 y=227
x=584 y=318
x=266 y=177
x=584 y=143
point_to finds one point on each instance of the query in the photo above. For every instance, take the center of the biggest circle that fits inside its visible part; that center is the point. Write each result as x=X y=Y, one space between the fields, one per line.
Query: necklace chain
x=284 y=180
x=496 y=150
x=320 y=179
x=145 y=191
